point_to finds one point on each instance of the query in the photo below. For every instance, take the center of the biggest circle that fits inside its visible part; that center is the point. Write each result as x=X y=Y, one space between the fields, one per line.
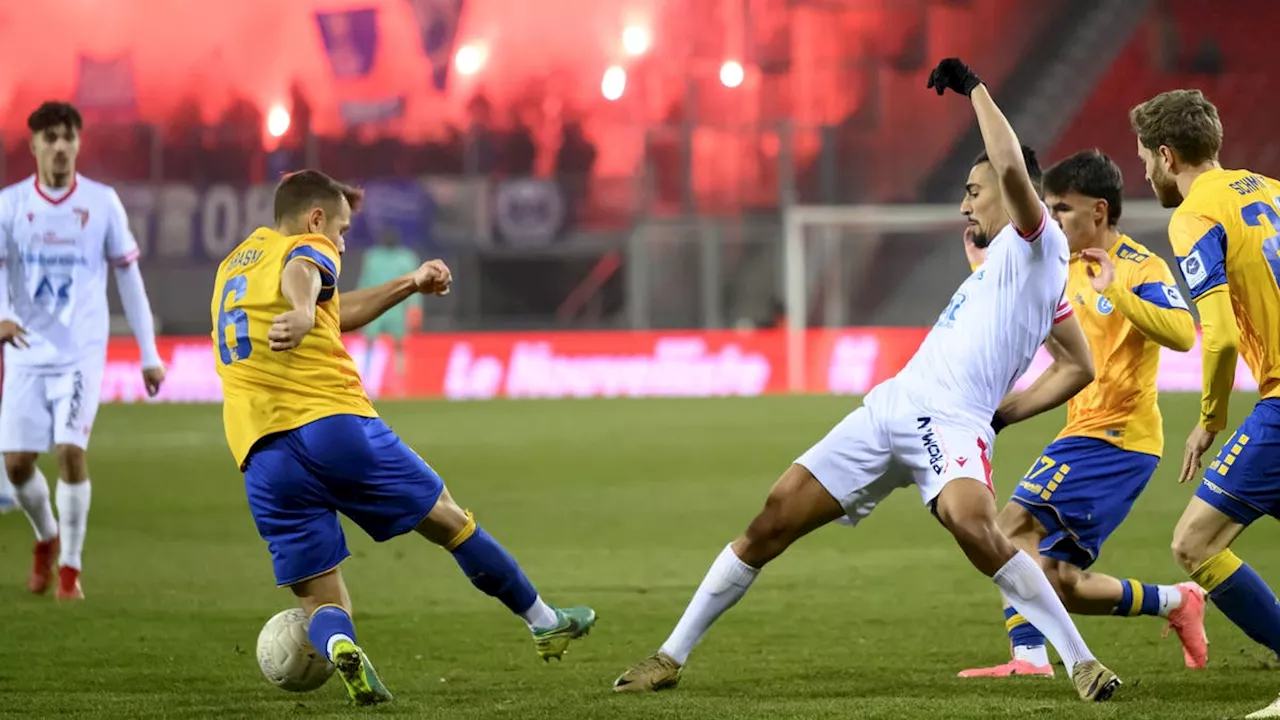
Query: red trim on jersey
x=1034 y=234
x=986 y=466
x=52 y=201
x=1063 y=312
x=125 y=260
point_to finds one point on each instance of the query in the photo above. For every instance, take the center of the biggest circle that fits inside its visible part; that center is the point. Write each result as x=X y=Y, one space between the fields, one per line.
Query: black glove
x=997 y=423
x=953 y=74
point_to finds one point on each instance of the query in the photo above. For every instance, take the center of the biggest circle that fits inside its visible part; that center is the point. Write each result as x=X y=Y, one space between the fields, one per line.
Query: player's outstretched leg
x=32 y=493
x=1202 y=545
x=967 y=509
x=332 y=632
x=797 y=505
x=494 y=572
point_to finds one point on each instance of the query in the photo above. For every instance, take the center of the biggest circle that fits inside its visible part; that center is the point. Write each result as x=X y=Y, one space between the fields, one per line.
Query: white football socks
x=540 y=616
x=726 y=582
x=73 y=520
x=1037 y=655
x=1028 y=590
x=34 y=499
x=1170 y=599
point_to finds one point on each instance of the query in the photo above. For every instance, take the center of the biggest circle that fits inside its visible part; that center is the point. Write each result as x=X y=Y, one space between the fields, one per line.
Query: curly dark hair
x=51 y=114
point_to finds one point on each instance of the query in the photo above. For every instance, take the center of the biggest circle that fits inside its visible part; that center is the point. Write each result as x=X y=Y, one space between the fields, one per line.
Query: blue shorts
x=1243 y=481
x=298 y=481
x=1080 y=490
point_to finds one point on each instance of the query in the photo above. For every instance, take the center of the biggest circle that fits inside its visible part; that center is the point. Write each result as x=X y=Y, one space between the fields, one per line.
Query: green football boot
x=358 y=674
x=573 y=623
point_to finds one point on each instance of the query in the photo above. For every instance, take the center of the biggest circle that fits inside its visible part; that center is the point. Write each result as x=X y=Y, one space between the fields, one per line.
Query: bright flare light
x=732 y=74
x=614 y=83
x=277 y=121
x=469 y=60
x=635 y=40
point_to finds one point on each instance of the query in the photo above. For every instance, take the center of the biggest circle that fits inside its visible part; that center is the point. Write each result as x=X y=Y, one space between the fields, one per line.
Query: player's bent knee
x=1202 y=532
x=20 y=466
x=73 y=463
x=446 y=523
x=1064 y=577
x=1189 y=551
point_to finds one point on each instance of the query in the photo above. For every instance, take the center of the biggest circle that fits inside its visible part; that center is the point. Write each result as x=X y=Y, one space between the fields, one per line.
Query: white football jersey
x=57 y=248
x=995 y=323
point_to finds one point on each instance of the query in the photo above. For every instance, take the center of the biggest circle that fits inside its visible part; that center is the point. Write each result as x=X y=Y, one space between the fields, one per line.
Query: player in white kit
x=61 y=233
x=934 y=424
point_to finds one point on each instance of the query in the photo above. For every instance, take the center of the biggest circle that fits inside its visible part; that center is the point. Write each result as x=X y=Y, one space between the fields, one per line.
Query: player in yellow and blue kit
x=1226 y=236
x=311 y=445
x=1084 y=484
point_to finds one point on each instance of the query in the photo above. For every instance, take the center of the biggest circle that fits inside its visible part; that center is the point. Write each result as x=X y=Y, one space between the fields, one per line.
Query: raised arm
x=361 y=307
x=1004 y=150
x=1071 y=371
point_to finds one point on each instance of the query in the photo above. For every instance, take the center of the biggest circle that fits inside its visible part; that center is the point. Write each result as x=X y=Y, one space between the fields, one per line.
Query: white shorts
x=890 y=443
x=41 y=408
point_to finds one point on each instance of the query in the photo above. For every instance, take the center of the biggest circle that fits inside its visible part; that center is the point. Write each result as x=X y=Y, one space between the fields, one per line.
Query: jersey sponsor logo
x=53 y=260
x=83 y=215
x=1104 y=305
x=932 y=446
x=1128 y=253
x=77 y=403
x=54 y=288
x=51 y=238
x=1193 y=269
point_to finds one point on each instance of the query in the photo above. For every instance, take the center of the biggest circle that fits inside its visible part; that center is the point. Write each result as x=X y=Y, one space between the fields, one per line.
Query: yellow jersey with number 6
x=266 y=391
x=1227 y=233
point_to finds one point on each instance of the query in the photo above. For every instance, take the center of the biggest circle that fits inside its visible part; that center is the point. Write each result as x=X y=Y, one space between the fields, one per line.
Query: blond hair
x=1182 y=120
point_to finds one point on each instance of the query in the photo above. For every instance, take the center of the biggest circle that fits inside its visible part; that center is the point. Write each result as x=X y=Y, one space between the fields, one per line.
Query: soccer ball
x=286 y=656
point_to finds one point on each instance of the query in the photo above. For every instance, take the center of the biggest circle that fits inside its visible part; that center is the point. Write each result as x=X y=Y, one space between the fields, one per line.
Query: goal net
x=890 y=265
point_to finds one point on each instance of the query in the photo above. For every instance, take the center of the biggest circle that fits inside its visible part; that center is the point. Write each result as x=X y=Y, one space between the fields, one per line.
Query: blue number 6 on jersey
x=235 y=317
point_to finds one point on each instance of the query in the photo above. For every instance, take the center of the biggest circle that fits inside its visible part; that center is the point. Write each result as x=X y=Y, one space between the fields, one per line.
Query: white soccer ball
x=286 y=656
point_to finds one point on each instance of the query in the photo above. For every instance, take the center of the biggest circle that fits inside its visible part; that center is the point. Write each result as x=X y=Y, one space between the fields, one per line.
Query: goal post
x=824 y=246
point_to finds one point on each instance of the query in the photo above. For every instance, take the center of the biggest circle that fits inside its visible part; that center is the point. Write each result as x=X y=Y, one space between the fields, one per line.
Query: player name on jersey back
x=986 y=337
x=57 y=248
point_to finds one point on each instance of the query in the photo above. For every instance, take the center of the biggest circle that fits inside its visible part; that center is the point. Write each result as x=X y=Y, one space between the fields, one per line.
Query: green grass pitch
x=619 y=504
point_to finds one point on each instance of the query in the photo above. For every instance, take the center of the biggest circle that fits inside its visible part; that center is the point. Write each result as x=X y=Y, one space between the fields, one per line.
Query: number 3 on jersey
x=1252 y=216
x=233 y=292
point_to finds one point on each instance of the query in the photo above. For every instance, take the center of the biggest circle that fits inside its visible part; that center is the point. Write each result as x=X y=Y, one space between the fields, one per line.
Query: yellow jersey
x=1126 y=325
x=1226 y=236
x=266 y=391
